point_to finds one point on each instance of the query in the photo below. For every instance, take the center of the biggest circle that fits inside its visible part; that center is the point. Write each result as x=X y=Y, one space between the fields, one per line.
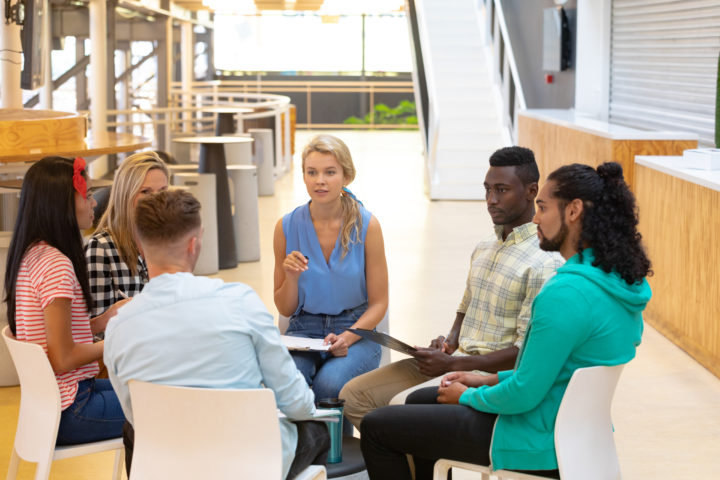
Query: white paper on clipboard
x=304 y=343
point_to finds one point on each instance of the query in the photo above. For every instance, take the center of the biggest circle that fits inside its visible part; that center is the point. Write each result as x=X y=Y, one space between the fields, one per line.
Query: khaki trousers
x=383 y=386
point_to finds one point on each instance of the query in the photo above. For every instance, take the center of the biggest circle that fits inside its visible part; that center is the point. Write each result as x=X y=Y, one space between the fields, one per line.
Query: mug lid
x=330 y=402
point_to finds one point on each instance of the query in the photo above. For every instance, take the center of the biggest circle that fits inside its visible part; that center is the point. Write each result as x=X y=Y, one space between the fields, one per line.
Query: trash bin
x=246 y=221
x=264 y=148
x=202 y=186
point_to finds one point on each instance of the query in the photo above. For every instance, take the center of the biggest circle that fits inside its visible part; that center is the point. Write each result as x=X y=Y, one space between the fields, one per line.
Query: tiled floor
x=666 y=408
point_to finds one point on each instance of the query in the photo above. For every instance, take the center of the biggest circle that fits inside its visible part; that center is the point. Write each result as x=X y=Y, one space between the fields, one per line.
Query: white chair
x=191 y=433
x=584 y=442
x=39 y=415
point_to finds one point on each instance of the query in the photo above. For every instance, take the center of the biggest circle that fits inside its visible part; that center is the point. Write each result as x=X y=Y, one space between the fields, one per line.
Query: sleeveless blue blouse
x=326 y=287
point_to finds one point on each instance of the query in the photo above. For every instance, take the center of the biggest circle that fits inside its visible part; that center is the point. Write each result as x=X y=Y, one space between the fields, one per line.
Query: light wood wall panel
x=556 y=145
x=680 y=224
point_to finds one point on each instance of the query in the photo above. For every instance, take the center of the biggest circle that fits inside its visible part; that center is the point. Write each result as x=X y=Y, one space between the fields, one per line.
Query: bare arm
x=376 y=277
x=496 y=361
x=64 y=354
x=287 y=272
x=99 y=323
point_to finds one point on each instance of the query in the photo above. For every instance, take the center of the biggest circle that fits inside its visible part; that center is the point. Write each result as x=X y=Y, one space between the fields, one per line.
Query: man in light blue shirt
x=201 y=332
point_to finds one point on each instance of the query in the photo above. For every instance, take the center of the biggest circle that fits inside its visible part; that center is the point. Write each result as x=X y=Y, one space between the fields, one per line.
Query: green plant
x=403 y=114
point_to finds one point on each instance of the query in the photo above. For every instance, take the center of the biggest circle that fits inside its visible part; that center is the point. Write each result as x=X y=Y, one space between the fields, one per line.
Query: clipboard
x=385 y=340
x=304 y=343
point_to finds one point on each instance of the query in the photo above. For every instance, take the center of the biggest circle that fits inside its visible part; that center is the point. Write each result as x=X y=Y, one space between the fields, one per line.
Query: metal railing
x=505 y=71
x=222 y=88
x=194 y=117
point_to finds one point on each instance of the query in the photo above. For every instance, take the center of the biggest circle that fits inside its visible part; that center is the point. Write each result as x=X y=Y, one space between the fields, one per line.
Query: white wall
x=592 y=77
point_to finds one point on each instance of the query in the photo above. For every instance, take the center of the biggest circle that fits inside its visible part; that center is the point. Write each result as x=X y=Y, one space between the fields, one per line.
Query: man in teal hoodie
x=589 y=313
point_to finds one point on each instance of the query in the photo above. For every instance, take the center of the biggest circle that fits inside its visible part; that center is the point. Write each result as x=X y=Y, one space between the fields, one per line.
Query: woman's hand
x=469 y=379
x=338 y=344
x=99 y=323
x=451 y=394
x=294 y=264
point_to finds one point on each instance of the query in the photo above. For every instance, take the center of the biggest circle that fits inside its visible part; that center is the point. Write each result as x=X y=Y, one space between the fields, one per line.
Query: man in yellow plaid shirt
x=507 y=270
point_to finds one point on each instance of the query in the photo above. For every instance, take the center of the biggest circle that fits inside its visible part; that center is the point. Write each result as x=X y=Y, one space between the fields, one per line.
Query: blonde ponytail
x=352 y=223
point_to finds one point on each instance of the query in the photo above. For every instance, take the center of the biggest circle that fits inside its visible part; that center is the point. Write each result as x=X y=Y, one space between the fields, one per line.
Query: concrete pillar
x=187 y=54
x=98 y=67
x=46 y=93
x=81 y=78
x=592 y=69
x=124 y=62
x=11 y=60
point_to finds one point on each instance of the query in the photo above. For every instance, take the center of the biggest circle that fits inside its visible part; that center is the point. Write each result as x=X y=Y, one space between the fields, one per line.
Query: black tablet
x=385 y=340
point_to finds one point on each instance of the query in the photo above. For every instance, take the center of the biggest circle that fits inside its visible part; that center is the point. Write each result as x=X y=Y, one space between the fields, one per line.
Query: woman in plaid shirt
x=115 y=266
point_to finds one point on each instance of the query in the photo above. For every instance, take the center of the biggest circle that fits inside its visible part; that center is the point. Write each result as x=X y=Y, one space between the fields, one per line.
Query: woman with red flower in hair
x=48 y=296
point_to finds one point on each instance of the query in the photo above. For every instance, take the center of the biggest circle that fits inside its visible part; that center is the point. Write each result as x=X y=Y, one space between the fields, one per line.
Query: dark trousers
x=312 y=447
x=428 y=432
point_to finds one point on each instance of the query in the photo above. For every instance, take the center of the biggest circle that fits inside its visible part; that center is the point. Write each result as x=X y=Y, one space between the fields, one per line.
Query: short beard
x=553 y=244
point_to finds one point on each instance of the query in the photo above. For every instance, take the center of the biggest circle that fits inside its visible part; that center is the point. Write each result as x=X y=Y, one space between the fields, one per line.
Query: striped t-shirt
x=46 y=274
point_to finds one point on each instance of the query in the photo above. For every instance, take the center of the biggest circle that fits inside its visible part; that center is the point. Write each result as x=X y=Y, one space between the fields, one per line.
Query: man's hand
x=433 y=362
x=451 y=394
x=443 y=344
x=437 y=343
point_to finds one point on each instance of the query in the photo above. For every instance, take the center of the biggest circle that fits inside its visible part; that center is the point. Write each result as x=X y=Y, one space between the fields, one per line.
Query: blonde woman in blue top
x=330 y=270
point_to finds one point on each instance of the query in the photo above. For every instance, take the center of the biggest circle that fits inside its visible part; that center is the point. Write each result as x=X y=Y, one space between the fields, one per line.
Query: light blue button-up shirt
x=201 y=332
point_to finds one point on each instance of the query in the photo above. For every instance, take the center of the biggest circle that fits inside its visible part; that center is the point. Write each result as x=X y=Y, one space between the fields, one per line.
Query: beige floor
x=666 y=408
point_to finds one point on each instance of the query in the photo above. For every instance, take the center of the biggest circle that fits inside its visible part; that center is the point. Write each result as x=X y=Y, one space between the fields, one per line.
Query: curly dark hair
x=609 y=222
x=523 y=159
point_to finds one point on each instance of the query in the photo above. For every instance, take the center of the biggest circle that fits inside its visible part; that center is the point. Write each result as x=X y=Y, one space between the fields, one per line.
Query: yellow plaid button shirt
x=502 y=283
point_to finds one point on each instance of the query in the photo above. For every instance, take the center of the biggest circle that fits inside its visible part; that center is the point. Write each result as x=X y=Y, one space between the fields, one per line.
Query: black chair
x=352 y=460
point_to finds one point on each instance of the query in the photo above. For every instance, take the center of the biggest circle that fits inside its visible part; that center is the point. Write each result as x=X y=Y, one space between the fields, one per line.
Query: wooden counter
x=680 y=224
x=561 y=137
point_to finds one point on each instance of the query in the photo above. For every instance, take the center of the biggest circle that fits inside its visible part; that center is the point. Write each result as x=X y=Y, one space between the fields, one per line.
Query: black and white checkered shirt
x=109 y=274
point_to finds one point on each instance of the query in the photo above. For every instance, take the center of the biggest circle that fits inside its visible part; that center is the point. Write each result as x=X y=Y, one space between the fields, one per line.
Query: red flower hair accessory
x=79 y=181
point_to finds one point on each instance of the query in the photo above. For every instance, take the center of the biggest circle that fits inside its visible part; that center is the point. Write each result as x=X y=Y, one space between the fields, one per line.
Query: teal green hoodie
x=582 y=317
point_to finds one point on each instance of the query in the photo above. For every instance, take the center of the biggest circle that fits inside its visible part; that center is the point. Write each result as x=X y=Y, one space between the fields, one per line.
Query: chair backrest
x=190 y=433
x=584 y=440
x=39 y=415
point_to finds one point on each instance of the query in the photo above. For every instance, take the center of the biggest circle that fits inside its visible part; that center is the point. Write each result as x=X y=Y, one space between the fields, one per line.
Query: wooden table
x=16 y=184
x=225 y=118
x=110 y=142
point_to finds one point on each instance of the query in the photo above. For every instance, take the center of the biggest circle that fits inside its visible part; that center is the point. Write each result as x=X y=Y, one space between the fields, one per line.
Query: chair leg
x=440 y=472
x=42 y=471
x=119 y=463
x=13 y=467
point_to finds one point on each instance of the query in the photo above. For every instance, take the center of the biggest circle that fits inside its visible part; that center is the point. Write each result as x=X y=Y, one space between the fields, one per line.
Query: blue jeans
x=94 y=415
x=325 y=373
